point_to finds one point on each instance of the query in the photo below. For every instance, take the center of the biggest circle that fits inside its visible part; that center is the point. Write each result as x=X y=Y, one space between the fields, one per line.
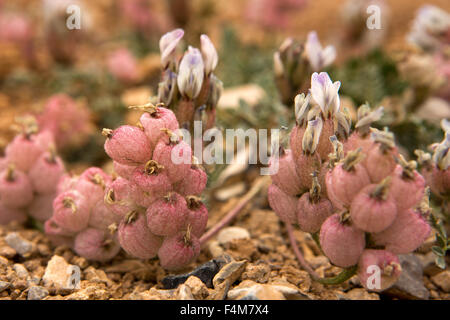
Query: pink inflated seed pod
x=102 y=216
x=123 y=170
x=71 y=211
x=23 y=151
x=408 y=186
x=179 y=250
x=194 y=183
x=15 y=188
x=284 y=205
x=167 y=216
x=374 y=209
x=8 y=215
x=295 y=140
x=341 y=242
x=128 y=145
x=152 y=178
x=155 y=120
x=41 y=208
x=45 y=173
x=284 y=174
x=408 y=231
x=346 y=179
x=378 y=269
x=96 y=245
x=175 y=157
x=135 y=237
x=92 y=184
x=119 y=196
x=313 y=210
x=197 y=215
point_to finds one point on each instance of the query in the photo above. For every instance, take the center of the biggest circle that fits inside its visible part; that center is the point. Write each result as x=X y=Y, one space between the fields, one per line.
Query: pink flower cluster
x=157 y=190
x=435 y=168
x=364 y=200
x=29 y=173
x=81 y=219
x=69 y=123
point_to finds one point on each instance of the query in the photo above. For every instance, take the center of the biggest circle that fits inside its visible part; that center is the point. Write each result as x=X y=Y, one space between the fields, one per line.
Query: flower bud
x=71 y=211
x=197 y=215
x=342 y=243
x=209 y=54
x=388 y=266
x=168 y=44
x=167 y=88
x=179 y=250
x=46 y=172
x=190 y=74
x=284 y=174
x=155 y=120
x=408 y=231
x=8 y=215
x=194 y=183
x=325 y=93
x=373 y=209
x=23 y=152
x=41 y=208
x=15 y=188
x=127 y=145
x=311 y=136
x=284 y=205
x=167 y=216
x=152 y=178
x=96 y=245
x=176 y=159
x=318 y=58
x=136 y=239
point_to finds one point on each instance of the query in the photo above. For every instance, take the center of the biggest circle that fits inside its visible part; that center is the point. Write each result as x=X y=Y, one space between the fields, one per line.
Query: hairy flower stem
x=298 y=254
x=256 y=188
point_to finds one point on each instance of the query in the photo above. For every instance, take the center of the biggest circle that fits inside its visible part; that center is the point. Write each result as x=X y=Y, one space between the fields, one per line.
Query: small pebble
x=21 y=271
x=232 y=233
x=37 y=293
x=15 y=241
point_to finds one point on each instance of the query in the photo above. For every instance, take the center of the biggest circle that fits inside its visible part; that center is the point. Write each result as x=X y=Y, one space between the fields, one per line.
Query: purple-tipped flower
x=318 y=57
x=209 y=54
x=325 y=93
x=190 y=74
x=168 y=44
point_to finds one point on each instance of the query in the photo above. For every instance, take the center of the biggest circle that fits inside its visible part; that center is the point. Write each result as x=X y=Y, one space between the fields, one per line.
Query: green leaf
x=440 y=262
x=441 y=241
x=438 y=251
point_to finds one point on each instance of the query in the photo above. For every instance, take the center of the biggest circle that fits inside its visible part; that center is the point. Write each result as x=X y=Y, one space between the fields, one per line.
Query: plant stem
x=341 y=277
x=255 y=189
x=298 y=254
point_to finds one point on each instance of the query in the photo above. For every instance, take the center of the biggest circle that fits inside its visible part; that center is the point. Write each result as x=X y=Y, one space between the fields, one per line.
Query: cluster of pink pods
x=69 y=123
x=81 y=219
x=157 y=191
x=29 y=173
x=362 y=199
